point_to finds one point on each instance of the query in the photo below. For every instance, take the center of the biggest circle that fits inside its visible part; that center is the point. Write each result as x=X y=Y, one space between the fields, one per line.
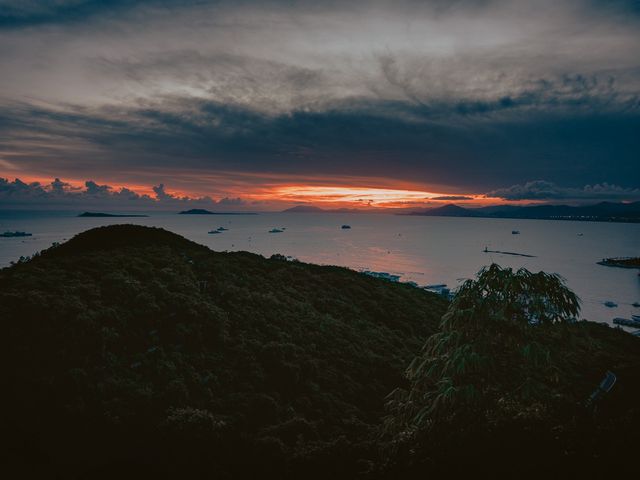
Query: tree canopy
x=133 y=352
x=498 y=363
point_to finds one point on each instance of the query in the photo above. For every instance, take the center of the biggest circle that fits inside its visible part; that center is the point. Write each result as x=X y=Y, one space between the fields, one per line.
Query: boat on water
x=515 y=232
x=635 y=304
x=346 y=227
x=627 y=322
x=435 y=286
x=213 y=232
x=276 y=230
x=15 y=234
x=610 y=304
x=384 y=275
x=222 y=229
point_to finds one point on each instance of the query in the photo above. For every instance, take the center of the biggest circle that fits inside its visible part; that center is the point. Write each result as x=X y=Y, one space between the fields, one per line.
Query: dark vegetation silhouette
x=502 y=389
x=132 y=352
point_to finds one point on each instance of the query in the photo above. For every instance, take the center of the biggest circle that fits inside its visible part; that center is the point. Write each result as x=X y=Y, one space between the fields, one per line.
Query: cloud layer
x=543 y=190
x=459 y=96
x=59 y=194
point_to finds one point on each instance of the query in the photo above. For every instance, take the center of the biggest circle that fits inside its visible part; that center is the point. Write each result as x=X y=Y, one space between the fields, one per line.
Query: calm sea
x=426 y=250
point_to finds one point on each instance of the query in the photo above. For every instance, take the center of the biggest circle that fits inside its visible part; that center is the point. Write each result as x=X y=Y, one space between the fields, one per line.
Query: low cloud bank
x=543 y=190
x=60 y=194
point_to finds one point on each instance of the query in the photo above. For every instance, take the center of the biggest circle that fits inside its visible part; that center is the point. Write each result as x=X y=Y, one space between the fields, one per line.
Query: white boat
x=384 y=275
x=435 y=286
x=15 y=234
x=627 y=322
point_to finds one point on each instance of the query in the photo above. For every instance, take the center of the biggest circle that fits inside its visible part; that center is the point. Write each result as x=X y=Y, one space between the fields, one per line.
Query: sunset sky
x=261 y=105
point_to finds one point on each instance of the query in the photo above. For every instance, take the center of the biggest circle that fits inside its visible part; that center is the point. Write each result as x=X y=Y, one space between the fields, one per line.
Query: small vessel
x=515 y=232
x=580 y=234
x=626 y=322
x=276 y=230
x=384 y=275
x=635 y=304
x=610 y=304
x=15 y=234
x=222 y=229
x=345 y=227
x=213 y=232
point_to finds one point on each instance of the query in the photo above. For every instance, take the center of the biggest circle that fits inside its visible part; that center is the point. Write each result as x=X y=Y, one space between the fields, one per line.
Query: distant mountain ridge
x=599 y=212
x=314 y=209
x=602 y=212
x=202 y=211
x=109 y=215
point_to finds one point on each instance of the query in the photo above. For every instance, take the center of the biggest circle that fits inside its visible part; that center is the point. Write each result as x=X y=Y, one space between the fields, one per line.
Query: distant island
x=313 y=209
x=202 y=211
x=108 y=215
x=624 y=262
x=599 y=212
x=15 y=234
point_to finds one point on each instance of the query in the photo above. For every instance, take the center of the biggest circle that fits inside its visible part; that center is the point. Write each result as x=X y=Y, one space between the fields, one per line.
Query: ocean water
x=426 y=250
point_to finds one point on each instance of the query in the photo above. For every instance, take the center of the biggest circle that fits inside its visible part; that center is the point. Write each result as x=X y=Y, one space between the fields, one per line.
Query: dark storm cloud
x=26 y=13
x=443 y=145
x=464 y=96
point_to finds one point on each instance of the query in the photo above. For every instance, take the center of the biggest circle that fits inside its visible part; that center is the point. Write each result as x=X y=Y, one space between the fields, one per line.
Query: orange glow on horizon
x=272 y=196
x=352 y=196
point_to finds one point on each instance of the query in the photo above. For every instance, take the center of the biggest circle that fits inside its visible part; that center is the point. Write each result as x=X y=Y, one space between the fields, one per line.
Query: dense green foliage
x=510 y=372
x=131 y=349
x=132 y=352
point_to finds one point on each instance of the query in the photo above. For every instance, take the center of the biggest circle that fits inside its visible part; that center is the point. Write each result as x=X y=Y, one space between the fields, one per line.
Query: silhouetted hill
x=197 y=211
x=114 y=237
x=135 y=351
x=131 y=352
x=313 y=209
x=304 y=209
x=450 y=210
x=202 y=211
x=604 y=212
x=108 y=215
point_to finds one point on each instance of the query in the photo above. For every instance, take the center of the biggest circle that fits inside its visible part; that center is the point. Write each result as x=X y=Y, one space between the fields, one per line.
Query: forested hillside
x=131 y=349
x=131 y=352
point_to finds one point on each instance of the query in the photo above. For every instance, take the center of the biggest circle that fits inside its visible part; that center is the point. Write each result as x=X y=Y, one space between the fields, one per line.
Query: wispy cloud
x=467 y=94
x=453 y=198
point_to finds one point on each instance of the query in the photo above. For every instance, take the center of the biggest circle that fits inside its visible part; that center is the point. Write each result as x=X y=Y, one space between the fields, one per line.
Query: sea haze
x=425 y=250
